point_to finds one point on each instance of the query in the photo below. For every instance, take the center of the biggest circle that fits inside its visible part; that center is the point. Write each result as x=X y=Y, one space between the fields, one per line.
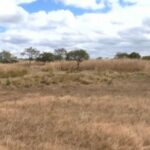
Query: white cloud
x=88 y=4
x=101 y=33
x=10 y=12
x=24 y=1
x=94 y=5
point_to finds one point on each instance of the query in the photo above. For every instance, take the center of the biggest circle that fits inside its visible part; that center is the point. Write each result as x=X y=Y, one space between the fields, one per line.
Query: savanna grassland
x=105 y=105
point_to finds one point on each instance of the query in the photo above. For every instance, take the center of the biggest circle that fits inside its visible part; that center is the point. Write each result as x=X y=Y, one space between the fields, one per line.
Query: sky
x=102 y=27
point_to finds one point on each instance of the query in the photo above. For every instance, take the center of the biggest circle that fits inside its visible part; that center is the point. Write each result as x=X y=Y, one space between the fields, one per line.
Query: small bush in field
x=46 y=57
x=8 y=82
x=146 y=57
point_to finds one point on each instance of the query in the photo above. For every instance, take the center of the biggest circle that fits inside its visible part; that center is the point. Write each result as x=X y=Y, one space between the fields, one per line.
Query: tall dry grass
x=115 y=65
x=12 y=70
x=90 y=72
x=74 y=116
x=101 y=65
x=75 y=123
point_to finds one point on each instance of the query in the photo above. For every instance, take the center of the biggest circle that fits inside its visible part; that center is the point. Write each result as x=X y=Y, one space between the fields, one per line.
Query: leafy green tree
x=78 y=56
x=31 y=53
x=60 y=54
x=46 y=57
x=7 y=57
x=134 y=55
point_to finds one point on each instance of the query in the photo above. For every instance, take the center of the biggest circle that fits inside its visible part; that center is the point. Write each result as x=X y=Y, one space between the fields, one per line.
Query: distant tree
x=46 y=57
x=99 y=58
x=134 y=55
x=146 y=57
x=121 y=55
x=78 y=56
x=7 y=57
x=60 y=54
x=31 y=53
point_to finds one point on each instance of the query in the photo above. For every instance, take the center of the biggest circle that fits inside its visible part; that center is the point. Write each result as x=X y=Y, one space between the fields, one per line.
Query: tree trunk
x=30 y=61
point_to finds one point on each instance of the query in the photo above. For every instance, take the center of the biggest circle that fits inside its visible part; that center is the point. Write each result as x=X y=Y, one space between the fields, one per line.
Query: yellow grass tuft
x=12 y=70
x=101 y=65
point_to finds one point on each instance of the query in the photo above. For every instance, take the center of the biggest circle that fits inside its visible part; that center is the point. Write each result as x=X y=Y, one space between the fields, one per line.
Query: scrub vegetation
x=102 y=105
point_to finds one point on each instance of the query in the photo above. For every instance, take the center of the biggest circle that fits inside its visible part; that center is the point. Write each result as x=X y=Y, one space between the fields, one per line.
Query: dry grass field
x=103 y=106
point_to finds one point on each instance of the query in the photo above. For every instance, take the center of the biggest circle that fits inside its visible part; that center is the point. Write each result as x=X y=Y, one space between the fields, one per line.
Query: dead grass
x=101 y=65
x=12 y=70
x=91 y=109
x=74 y=122
x=91 y=72
x=115 y=65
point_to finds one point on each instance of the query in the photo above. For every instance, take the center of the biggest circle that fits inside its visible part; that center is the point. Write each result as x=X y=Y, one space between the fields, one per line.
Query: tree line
x=133 y=55
x=60 y=54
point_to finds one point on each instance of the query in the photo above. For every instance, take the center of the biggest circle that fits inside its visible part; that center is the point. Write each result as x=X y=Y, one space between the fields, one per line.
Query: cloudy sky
x=103 y=27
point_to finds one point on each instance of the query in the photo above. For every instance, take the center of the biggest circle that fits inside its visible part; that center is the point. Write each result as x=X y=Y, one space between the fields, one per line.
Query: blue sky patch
x=52 y=6
x=2 y=29
x=126 y=4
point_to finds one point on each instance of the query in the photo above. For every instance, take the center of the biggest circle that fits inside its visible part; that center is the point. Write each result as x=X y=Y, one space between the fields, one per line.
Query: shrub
x=134 y=55
x=121 y=55
x=46 y=57
x=146 y=57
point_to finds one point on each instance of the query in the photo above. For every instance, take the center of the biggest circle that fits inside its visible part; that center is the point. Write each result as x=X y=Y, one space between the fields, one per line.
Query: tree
x=99 y=58
x=78 y=56
x=7 y=57
x=46 y=57
x=31 y=53
x=60 y=54
x=121 y=55
x=134 y=55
